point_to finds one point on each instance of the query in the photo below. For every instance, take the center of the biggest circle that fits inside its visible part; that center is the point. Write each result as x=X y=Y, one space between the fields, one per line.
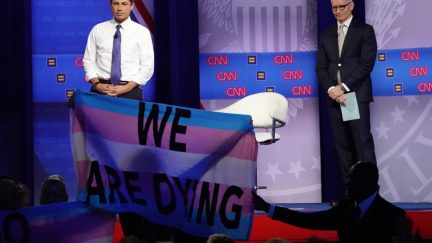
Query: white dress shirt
x=345 y=27
x=137 y=57
x=346 y=24
x=345 y=30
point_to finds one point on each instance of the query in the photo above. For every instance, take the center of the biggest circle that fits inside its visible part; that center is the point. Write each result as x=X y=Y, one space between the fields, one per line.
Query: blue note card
x=350 y=110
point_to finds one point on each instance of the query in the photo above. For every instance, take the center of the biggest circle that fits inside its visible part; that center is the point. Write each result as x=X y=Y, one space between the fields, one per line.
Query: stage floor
x=264 y=228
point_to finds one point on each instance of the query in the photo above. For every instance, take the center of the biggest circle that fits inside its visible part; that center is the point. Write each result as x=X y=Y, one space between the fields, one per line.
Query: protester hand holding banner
x=186 y=168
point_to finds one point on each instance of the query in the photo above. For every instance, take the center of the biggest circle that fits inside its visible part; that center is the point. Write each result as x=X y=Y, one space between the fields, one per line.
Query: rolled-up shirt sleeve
x=89 y=60
x=146 y=55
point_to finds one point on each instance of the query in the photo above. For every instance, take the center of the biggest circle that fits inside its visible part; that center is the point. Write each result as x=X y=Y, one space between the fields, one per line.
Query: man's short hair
x=53 y=190
x=219 y=238
x=131 y=1
x=368 y=171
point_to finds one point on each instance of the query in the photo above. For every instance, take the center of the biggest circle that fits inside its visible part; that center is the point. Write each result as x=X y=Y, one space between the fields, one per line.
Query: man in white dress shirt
x=136 y=66
x=136 y=59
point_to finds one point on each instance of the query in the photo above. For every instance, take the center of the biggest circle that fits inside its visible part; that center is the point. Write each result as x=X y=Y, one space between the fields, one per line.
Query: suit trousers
x=353 y=139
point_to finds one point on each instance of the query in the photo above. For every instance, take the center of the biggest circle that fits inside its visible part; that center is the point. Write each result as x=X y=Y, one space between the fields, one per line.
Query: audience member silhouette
x=53 y=190
x=219 y=238
x=27 y=198
x=131 y=239
x=181 y=237
x=277 y=240
x=314 y=239
x=362 y=216
x=10 y=192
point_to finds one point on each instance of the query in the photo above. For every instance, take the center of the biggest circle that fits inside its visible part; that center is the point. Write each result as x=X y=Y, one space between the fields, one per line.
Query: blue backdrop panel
x=60 y=31
x=231 y=75
x=403 y=72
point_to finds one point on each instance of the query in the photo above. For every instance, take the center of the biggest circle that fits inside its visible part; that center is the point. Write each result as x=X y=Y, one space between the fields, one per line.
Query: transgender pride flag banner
x=186 y=168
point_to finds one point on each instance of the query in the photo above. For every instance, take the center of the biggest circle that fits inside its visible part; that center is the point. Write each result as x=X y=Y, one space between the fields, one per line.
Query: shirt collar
x=123 y=25
x=365 y=204
x=347 y=22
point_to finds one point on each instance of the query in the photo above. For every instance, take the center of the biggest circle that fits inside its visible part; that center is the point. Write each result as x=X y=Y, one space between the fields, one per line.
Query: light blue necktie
x=116 y=57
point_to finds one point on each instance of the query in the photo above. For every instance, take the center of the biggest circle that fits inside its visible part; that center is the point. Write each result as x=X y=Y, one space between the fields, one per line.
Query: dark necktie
x=116 y=57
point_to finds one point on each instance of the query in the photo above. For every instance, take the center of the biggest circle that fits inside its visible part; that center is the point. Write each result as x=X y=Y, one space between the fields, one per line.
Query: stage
x=264 y=228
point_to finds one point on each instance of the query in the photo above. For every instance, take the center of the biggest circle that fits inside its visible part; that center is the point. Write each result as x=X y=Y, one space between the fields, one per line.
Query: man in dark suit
x=363 y=216
x=347 y=69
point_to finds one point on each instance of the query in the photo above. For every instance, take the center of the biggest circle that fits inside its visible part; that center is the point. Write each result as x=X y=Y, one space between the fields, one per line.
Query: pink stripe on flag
x=83 y=169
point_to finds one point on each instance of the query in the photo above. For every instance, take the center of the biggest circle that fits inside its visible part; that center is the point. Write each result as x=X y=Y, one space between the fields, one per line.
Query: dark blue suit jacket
x=356 y=61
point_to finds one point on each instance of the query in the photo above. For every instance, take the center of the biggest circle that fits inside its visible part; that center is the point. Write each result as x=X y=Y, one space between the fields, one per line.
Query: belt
x=107 y=81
